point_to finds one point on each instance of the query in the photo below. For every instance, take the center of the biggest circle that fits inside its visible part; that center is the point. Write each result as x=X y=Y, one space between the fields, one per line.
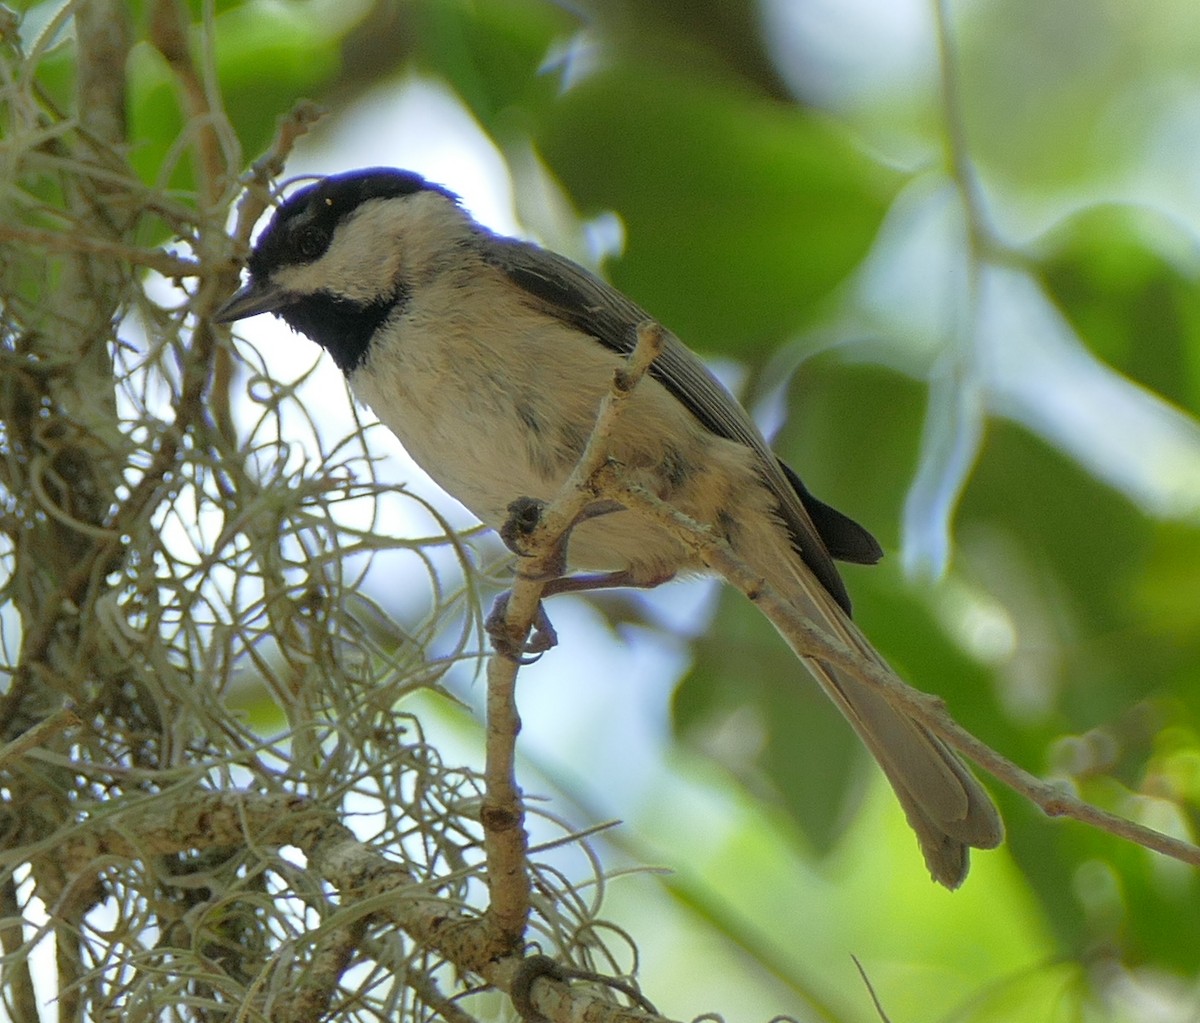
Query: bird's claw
x=524 y=515
x=542 y=636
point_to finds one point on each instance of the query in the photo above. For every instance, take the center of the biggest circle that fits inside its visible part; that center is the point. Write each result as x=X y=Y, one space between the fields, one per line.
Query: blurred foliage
x=793 y=206
x=1067 y=629
x=1118 y=275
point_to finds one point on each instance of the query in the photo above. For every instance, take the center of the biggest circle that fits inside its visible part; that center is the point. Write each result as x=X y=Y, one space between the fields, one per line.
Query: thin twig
x=366 y=881
x=809 y=640
x=292 y=126
x=557 y=519
x=503 y=814
x=505 y=839
x=15 y=974
x=75 y=241
x=39 y=734
x=871 y=990
x=169 y=24
x=444 y=1008
x=168 y=28
x=962 y=169
x=105 y=557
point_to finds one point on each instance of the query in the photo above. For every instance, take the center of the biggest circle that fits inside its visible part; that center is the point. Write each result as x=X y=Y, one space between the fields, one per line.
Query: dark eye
x=311 y=242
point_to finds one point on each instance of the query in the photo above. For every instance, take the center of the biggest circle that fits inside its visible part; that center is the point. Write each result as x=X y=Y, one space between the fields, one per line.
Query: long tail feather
x=944 y=803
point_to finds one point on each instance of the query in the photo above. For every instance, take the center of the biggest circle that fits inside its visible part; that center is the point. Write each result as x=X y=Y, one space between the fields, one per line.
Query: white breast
x=496 y=401
x=468 y=394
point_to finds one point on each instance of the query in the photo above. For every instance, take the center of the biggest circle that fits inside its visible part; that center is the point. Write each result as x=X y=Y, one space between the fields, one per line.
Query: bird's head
x=340 y=255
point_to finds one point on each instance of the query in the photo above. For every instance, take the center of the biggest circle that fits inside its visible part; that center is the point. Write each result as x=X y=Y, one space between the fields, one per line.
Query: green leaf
x=494 y=53
x=741 y=214
x=1125 y=277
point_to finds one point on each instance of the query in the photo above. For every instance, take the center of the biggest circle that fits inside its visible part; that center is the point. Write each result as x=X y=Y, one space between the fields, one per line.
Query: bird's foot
x=542 y=636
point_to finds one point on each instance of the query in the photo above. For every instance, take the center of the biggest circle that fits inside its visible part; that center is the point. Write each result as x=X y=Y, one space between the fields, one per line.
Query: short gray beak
x=254 y=298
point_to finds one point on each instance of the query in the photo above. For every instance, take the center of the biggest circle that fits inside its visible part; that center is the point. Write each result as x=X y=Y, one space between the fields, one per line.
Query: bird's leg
x=524 y=515
x=603 y=581
x=543 y=637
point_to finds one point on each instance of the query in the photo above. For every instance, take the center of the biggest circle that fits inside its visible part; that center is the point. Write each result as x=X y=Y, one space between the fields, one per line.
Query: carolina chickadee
x=488 y=357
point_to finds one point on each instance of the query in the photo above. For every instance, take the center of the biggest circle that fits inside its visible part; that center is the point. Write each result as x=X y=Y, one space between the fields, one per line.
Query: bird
x=488 y=356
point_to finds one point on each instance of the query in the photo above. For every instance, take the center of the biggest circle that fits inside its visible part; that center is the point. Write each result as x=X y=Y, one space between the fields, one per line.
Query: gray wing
x=569 y=292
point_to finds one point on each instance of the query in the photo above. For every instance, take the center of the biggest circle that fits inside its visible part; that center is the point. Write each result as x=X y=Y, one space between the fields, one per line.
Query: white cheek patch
x=386 y=242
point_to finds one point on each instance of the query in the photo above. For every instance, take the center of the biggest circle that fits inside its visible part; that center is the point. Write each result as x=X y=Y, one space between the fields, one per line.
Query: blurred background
x=947 y=253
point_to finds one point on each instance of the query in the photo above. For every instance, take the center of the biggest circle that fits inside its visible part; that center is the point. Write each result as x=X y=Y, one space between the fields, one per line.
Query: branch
x=72 y=241
x=39 y=734
x=169 y=24
x=257 y=195
x=360 y=873
x=809 y=640
x=367 y=882
x=541 y=551
x=105 y=557
x=308 y=1001
x=16 y=977
x=595 y=478
x=505 y=839
x=503 y=813
x=962 y=170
